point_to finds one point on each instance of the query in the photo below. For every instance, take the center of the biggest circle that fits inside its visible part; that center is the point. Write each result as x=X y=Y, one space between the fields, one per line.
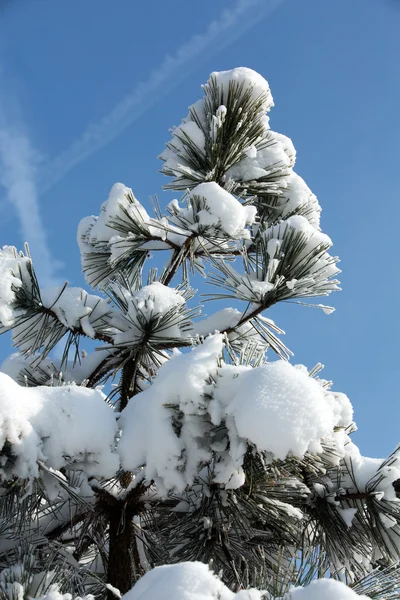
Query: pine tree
x=184 y=440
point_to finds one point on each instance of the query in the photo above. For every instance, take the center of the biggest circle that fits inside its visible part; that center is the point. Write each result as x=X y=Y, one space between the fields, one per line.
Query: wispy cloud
x=19 y=174
x=18 y=160
x=229 y=27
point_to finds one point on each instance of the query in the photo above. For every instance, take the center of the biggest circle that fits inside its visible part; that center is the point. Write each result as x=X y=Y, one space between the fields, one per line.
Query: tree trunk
x=123 y=559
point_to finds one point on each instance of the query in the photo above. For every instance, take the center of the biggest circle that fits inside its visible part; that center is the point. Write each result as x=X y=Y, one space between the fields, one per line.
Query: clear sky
x=82 y=106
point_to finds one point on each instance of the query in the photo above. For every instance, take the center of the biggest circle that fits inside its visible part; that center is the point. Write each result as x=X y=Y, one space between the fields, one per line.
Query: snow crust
x=60 y=426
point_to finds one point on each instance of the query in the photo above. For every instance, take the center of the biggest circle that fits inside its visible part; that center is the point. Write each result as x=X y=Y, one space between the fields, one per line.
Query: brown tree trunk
x=123 y=563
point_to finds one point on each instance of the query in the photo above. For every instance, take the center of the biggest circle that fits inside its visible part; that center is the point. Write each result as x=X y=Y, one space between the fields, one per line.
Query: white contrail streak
x=17 y=177
x=230 y=25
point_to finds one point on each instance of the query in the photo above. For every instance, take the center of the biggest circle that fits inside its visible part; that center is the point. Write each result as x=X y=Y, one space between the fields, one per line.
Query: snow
x=120 y=197
x=194 y=581
x=66 y=426
x=185 y=581
x=308 y=274
x=219 y=321
x=223 y=210
x=249 y=80
x=227 y=318
x=169 y=429
x=324 y=589
x=371 y=474
x=17 y=366
x=10 y=278
x=152 y=304
x=123 y=225
x=76 y=309
x=299 y=199
x=280 y=409
x=177 y=153
x=148 y=433
x=178 y=156
x=190 y=130
x=273 y=154
x=18 y=583
x=347 y=514
x=305 y=270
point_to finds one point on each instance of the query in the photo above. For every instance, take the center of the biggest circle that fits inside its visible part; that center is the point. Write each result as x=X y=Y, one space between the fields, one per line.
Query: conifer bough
x=208 y=470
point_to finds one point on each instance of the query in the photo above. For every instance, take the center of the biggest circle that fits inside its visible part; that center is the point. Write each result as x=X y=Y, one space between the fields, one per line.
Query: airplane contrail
x=18 y=178
x=227 y=28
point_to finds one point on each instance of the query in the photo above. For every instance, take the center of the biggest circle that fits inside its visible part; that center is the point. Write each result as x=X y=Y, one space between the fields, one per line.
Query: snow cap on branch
x=214 y=212
x=276 y=407
x=12 y=268
x=67 y=426
x=149 y=424
x=155 y=311
x=75 y=308
x=246 y=80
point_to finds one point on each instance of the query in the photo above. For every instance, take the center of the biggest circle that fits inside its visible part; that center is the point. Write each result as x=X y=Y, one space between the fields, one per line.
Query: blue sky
x=334 y=72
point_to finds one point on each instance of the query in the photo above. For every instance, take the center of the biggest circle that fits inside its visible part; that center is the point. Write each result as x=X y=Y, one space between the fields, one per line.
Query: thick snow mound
x=149 y=436
x=67 y=426
x=185 y=581
x=324 y=589
x=280 y=409
x=194 y=581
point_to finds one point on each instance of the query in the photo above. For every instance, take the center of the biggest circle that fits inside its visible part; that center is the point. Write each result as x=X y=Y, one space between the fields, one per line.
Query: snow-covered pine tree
x=205 y=453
